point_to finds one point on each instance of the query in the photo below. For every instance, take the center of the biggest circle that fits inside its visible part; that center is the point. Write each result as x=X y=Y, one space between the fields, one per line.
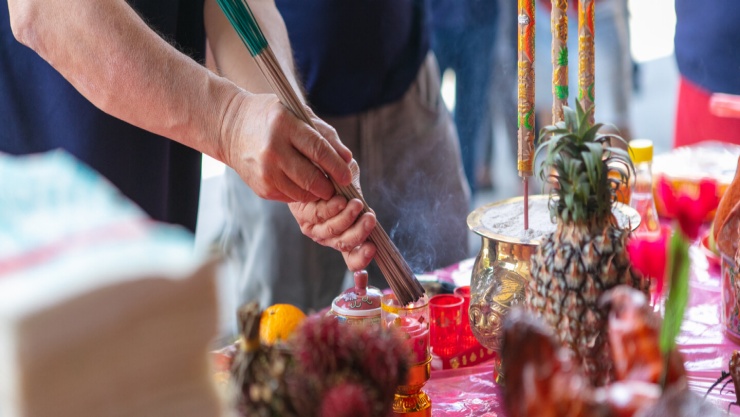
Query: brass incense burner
x=501 y=270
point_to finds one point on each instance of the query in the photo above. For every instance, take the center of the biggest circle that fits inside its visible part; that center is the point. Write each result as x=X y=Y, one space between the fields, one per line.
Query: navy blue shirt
x=459 y=14
x=707 y=43
x=356 y=55
x=40 y=111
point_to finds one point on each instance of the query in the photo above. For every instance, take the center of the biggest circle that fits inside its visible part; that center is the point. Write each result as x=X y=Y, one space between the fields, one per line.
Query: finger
x=355 y=234
x=360 y=257
x=332 y=231
x=330 y=134
x=318 y=150
x=265 y=190
x=336 y=226
x=317 y=212
x=306 y=176
x=355 y=169
x=293 y=191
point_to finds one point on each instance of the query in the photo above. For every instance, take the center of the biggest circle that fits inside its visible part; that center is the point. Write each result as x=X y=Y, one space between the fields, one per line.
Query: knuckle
x=331 y=231
x=342 y=246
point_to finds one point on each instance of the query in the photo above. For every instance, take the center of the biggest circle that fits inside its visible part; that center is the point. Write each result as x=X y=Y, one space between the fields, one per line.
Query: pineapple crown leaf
x=583 y=167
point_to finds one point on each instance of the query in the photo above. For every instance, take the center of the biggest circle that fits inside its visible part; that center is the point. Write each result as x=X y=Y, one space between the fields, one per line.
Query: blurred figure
x=503 y=93
x=613 y=90
x=706 y=47
x=464 y=41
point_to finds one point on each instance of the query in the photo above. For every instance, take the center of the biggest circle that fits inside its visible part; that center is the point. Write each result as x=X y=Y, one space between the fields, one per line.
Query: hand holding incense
x=397 y=272
x=526 y=116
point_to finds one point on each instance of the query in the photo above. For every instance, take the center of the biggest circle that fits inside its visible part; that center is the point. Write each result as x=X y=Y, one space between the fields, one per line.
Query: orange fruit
x=278 y=322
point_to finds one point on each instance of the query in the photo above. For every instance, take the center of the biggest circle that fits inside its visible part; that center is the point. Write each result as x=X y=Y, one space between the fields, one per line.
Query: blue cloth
x=40 y=111
x=707 y=44
x=463 y=13
x=356 y=55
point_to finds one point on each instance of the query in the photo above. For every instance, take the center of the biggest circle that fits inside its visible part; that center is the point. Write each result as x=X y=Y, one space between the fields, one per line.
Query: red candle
x=446 y=326
x=467 y=338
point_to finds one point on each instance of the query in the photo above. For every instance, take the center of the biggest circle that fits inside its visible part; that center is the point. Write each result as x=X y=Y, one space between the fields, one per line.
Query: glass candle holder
x=414 y=321
x=446 y=324
x=467 y=338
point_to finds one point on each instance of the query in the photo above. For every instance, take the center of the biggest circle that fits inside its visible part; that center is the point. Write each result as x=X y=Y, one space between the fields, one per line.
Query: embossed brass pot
x=501 y=272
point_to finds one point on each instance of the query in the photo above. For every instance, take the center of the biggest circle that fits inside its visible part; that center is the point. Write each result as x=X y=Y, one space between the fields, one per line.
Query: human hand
x=278 y=155
x=339 y=224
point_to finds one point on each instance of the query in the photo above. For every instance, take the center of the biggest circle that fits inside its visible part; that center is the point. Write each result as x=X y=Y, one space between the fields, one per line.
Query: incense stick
x=397 y=272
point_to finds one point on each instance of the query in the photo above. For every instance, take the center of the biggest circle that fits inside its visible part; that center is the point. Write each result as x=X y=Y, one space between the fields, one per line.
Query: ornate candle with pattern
x=525 y=119
x=559 y=28
x=586 y=54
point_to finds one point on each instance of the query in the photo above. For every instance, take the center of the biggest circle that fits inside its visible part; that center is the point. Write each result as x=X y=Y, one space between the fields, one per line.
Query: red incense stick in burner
x=525 y=104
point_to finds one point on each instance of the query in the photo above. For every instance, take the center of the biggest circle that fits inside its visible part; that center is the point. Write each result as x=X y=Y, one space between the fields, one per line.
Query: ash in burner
x=508 y=219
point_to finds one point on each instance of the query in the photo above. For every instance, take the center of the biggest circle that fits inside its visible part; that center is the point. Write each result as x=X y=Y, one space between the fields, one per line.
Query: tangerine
x=278 y=322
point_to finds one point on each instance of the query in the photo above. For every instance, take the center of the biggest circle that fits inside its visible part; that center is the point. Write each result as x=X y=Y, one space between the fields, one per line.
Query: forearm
x=107 y=52
x=231 y=55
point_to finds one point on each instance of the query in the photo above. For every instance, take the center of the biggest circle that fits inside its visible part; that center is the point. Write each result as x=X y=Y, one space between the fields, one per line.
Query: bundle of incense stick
x=397 y=272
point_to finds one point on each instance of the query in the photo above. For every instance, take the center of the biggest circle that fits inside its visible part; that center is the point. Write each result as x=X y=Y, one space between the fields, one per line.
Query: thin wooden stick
x=397 y=272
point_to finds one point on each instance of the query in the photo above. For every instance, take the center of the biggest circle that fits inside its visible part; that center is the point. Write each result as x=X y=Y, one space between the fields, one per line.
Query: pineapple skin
x=570 y=271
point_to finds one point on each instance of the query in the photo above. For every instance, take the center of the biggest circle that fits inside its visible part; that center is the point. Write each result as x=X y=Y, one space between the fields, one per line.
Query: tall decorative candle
x=559 y=28
x=525 y=120
x=586 y=54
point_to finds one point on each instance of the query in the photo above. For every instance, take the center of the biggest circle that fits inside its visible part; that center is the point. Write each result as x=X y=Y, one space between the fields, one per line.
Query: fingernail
x=367 y=253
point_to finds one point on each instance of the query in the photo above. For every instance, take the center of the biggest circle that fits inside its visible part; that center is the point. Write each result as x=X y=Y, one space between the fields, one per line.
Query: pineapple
x=586 y=255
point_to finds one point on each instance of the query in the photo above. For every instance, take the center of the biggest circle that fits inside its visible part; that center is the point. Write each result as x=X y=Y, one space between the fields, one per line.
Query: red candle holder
x=446 y=323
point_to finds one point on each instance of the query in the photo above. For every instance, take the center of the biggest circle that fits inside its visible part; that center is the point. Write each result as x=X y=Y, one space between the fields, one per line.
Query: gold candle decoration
x=586 y=55
x=525 y=118
x=559 y=28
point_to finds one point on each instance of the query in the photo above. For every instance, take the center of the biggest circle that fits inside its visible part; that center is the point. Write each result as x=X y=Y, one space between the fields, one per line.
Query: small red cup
x=467 y=339
x=445 y=311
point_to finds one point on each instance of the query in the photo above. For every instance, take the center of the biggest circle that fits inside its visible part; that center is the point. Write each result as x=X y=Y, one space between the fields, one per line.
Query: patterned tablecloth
x=472 y=392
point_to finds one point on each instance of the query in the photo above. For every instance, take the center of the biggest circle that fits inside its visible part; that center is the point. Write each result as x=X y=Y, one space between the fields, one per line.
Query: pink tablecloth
x=706 y=349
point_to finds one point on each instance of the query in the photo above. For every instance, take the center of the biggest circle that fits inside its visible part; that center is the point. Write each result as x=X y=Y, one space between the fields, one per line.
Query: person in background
x=613 y=67
x=367 y=70
x=502 y=96
x=708 y=58
x=101 y=83
x=464 y=40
